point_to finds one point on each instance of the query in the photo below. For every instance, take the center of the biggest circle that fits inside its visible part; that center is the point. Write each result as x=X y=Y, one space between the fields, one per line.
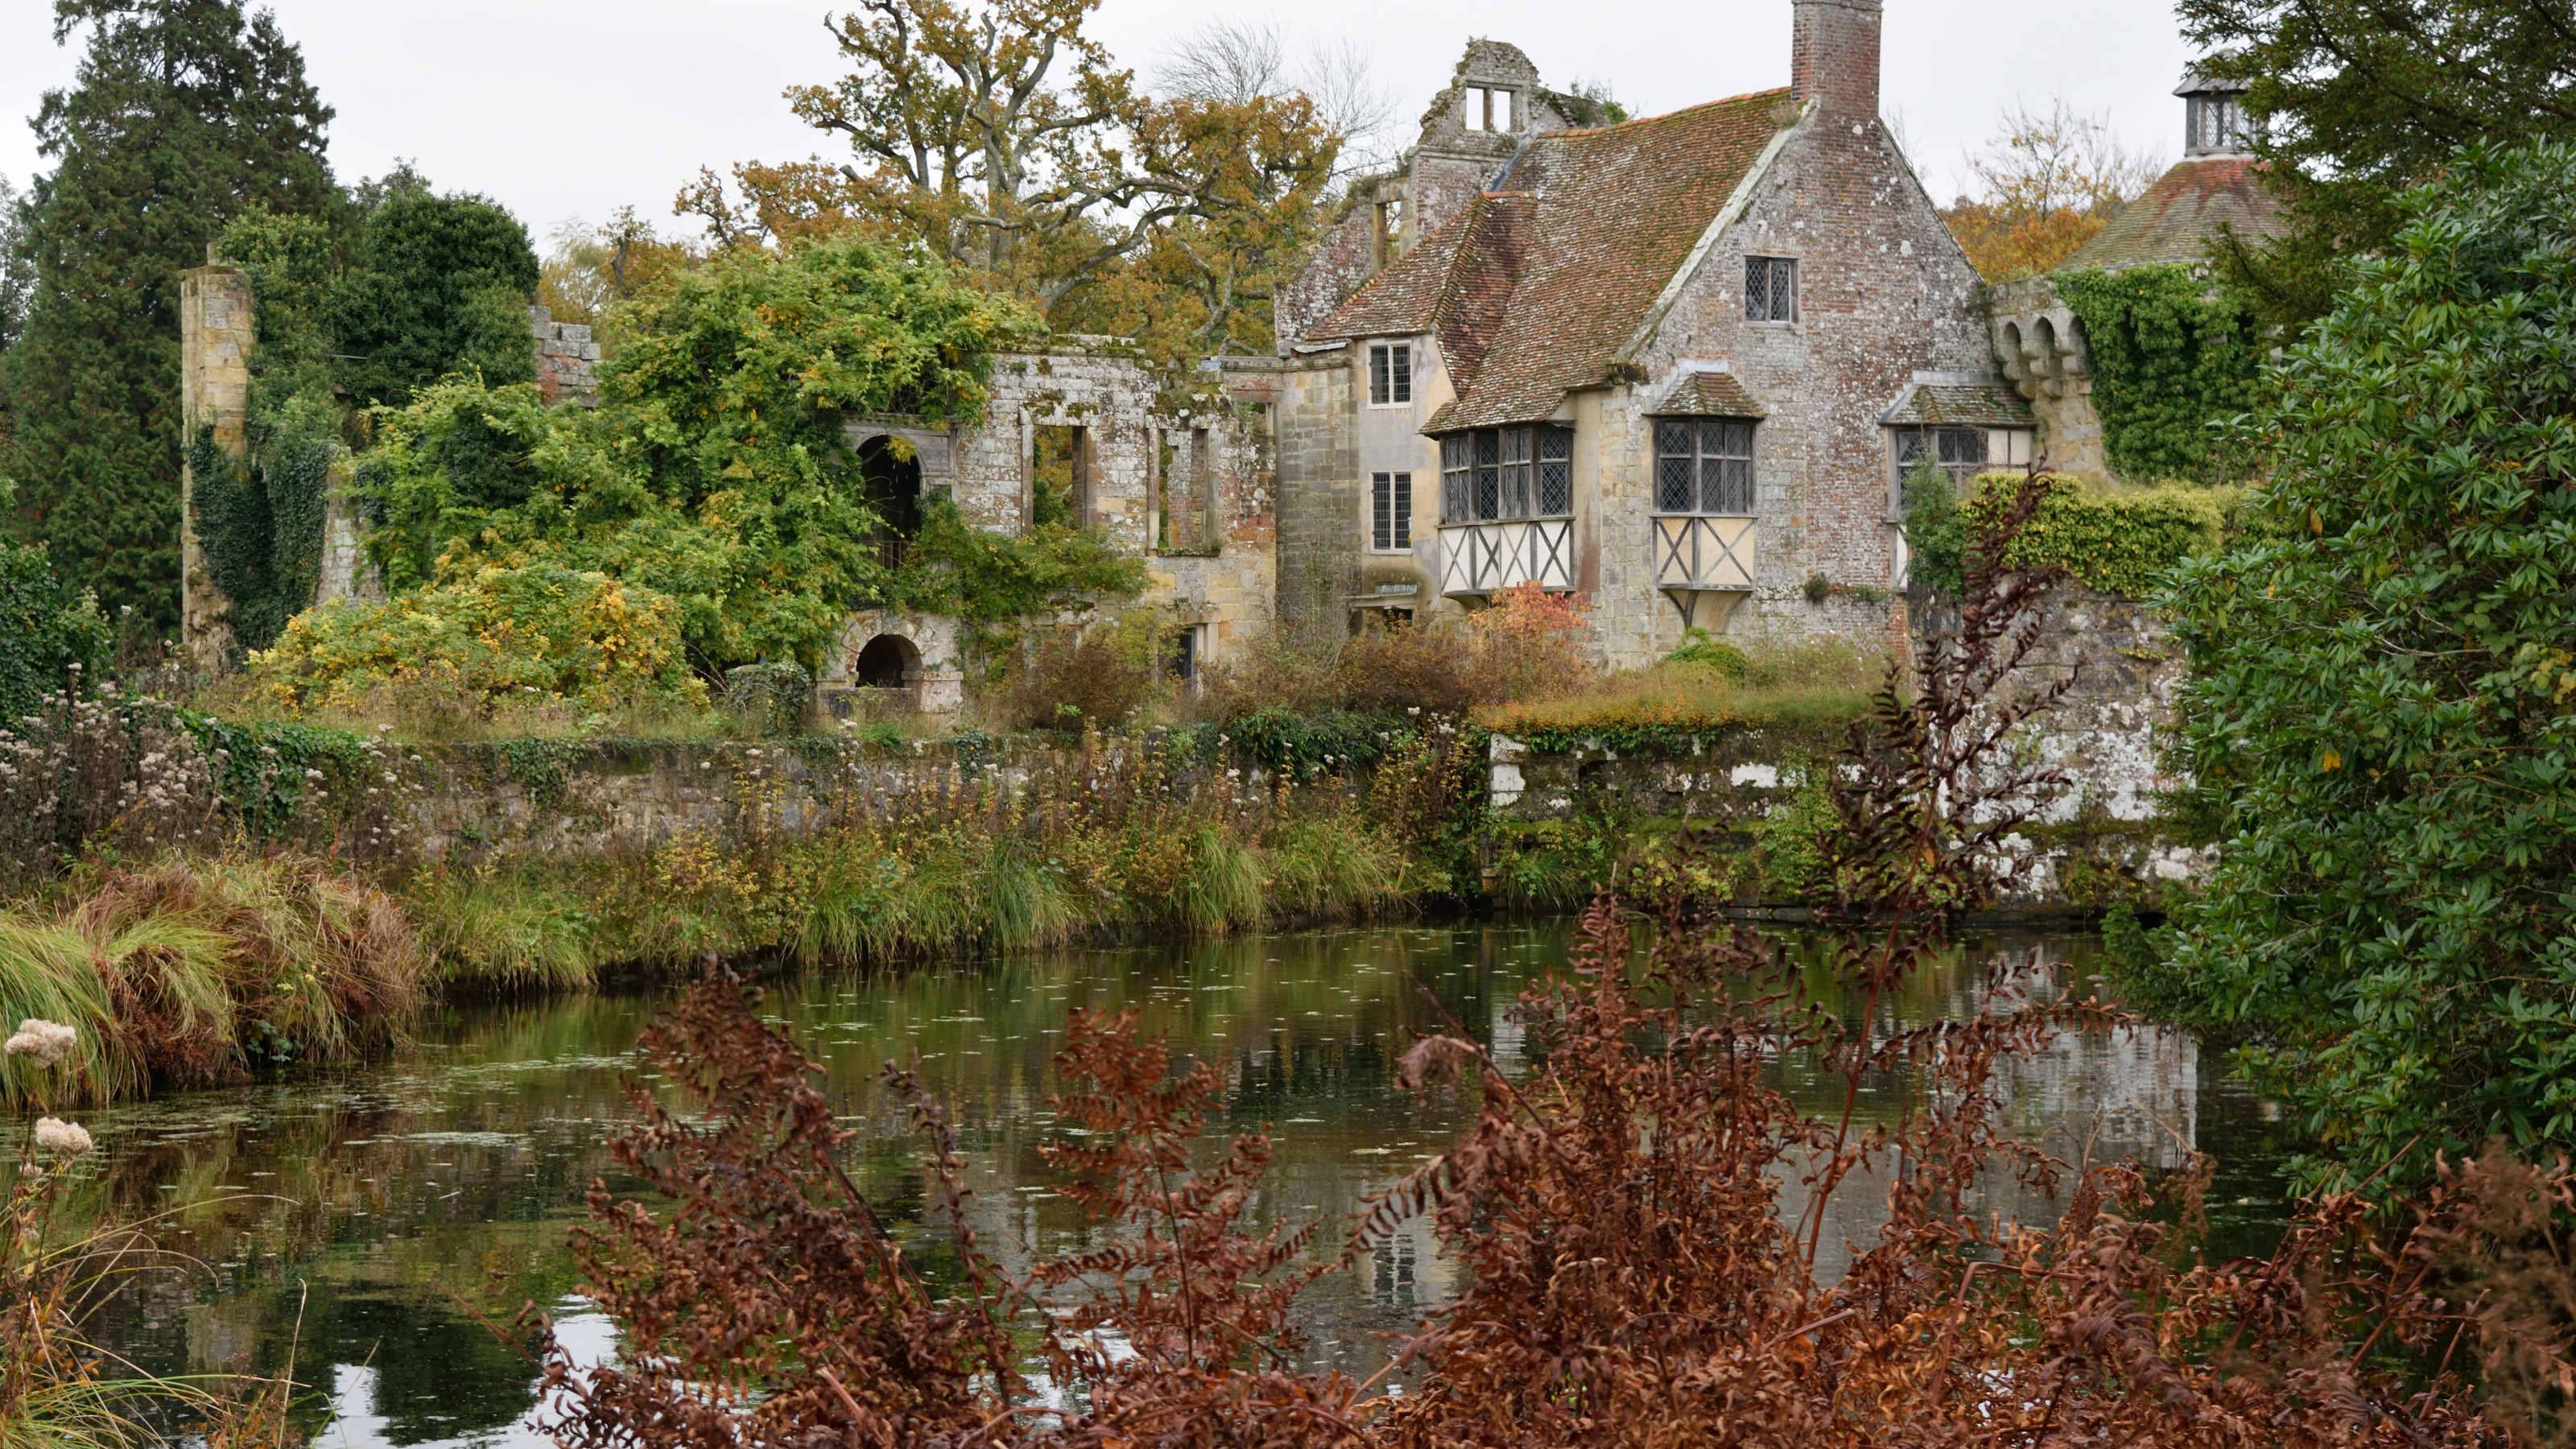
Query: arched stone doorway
x=892 y=487
x=888 y=661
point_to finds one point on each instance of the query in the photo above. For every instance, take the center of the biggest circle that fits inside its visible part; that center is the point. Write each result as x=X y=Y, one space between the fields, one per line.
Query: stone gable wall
x=1883 y=292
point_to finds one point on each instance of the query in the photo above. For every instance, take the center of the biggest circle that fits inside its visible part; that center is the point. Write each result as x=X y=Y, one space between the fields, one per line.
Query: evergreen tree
x=183 y=113
x=441 y=285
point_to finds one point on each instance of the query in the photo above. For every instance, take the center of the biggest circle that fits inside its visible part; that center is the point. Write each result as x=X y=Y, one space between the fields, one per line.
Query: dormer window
x=1489 y=108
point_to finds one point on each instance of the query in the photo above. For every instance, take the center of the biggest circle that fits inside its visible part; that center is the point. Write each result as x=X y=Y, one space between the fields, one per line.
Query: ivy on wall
x=2171 y=355
x=260 y=517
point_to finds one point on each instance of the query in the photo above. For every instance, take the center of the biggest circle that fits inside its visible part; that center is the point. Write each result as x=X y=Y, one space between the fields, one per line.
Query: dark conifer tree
x=183 y=113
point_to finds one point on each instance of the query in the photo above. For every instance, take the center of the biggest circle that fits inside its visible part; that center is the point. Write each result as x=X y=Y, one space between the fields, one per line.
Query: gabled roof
x=1454 y=284
x=2180 y=212
x=1543 y=285
x=1960 y=405
x=1710 y=395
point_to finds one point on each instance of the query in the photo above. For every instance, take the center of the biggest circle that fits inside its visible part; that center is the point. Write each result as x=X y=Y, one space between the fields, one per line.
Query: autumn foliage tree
x=2044 y=186
x=1004 y=138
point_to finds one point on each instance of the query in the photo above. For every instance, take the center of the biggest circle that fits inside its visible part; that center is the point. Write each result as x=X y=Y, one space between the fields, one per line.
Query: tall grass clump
x=195 y=970
x=499 y=927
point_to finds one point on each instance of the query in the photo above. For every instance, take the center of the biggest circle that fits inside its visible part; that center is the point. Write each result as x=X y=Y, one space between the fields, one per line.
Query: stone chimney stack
x=1833 y=57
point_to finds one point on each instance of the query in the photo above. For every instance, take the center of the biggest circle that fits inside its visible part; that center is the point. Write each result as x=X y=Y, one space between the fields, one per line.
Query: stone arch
x=887 y=661
x=2012 y=342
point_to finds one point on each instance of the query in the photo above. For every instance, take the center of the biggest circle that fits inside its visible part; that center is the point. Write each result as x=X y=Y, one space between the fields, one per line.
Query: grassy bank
x=1132 y=842
x=194 y=971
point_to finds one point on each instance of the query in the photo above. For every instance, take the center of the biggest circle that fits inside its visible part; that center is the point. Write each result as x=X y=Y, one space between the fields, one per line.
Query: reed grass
x=189 y=971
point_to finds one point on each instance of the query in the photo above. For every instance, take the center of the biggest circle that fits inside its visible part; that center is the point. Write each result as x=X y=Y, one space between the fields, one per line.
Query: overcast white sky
x=571 y=108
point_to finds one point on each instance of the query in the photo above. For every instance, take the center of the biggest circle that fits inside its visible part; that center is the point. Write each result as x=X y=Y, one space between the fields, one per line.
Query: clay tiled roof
x=1981 y=405
x=1534 y=291
x=1455 y=284
x=1617 y=211
x=1710 y=395
x=2181 y=211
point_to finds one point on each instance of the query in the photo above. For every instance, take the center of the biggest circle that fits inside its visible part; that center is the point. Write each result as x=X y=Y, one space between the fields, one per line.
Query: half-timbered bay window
x=1506 y=508
x=1504 y=473
x=1704 y=504
x=1704 y=465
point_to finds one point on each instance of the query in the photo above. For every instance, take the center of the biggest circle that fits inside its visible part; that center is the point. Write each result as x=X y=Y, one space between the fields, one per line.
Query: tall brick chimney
x=1833 y=56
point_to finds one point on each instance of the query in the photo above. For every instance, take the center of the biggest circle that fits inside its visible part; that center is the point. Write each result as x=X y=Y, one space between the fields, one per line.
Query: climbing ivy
x=2172 y=355
x=265 y=769
x=260 y=517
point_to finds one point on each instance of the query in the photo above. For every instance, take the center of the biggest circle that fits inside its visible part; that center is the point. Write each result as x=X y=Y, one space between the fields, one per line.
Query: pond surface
x=383 y=1226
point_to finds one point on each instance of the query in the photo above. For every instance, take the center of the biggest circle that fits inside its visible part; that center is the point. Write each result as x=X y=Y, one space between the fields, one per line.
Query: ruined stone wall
x=2099 y=843
x=1318 y=492
x=216 y=333
x=1883 y=293
x=566 y=359
x=1339 y=265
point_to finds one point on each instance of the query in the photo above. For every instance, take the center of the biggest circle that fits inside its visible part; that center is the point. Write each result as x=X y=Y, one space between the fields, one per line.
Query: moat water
x=378 y=1229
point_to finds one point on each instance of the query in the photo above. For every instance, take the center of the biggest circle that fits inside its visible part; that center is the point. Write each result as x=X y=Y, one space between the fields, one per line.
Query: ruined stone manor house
x=1671 y=363
x=1678 y=364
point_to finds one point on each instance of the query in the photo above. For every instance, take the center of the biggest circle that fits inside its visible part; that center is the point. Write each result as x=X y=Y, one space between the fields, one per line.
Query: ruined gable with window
x=1665 y=363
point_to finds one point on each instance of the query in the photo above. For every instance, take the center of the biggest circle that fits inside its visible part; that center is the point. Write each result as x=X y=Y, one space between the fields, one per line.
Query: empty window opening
x=1770 y=289
x=1186 y=514
x=1184 y=655
x=1390 y=230
x=1704 y=465
x=1391 y=512
x=1391 y=374
x=888 y=662
x=1497 y=473
x=1489 y=108
x=1060 y=476
x=892 y=487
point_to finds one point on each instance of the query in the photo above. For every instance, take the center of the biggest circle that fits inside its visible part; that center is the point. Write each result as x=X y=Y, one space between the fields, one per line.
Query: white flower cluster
x=44 y=1042
x=70 y=1139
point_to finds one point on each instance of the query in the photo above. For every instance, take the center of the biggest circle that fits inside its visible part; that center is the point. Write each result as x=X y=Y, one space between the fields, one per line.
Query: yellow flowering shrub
x=502 y=634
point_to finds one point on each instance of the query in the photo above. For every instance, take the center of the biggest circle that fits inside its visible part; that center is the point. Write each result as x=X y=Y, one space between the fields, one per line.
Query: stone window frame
x=1509 y=474
x=1963 y=452
x=1771 y=267
x=1716 y=461
x=1476 y=107
x=1391 y=511
x=1390 y=374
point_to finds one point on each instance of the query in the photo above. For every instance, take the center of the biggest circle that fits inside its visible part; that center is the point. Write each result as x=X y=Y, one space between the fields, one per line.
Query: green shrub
x=498 y=633
x=1708 y=651
x=46 y=630
x=2115 y=541
x=2380 y=713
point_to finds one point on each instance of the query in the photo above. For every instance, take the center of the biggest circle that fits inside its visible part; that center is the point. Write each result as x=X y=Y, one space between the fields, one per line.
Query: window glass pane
x=1454 y=480
x=1673 y=438
x=1516 y=473
x=1963 y=445
x=1381 y=511
x=1377 y=374
x=1400 y=374
x=1489 y=475
x=1757 y=289
x=1672 y=485
x=1555 y=443
x=1555 y=471
x=1402 y=508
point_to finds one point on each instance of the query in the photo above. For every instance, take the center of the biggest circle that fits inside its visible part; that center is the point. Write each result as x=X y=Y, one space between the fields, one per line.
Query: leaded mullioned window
x=1505 y=473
